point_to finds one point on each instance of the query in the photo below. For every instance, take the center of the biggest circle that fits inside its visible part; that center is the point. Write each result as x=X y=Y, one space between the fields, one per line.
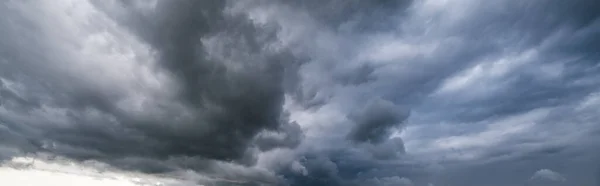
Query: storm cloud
x=375 y=120
x=349 y=93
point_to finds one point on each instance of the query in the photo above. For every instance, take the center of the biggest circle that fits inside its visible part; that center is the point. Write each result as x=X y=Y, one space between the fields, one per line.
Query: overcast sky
x=300 y=93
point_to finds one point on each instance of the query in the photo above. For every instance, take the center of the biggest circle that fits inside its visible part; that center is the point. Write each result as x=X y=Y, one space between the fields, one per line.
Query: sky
x=300 y=93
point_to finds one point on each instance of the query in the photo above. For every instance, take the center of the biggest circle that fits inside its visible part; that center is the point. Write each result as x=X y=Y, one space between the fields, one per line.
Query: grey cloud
x=389 y=181
x=232 y=105
x=356 y=76
x=389 y=149
x=375 y=120
x=13 y=143
x=298 y=168
x=289 y=136
x=220 y=77
x=528 y=87
x=524 y=88
x=354 y=15
x=476 y=34
x=227 y=91
x=525 y=166
x=320 y=171
x=354 y=167
x=546 y=174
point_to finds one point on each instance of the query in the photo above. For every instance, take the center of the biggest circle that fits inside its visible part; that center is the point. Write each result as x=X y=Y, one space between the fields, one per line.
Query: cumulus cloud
x=547 y=174
x=546 y=177
x=335 y=92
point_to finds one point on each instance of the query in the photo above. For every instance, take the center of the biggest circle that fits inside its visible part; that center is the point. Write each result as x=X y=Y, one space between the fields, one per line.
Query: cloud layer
x=386 y=92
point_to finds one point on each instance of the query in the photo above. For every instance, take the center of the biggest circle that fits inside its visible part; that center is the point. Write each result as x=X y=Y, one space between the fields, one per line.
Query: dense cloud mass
x=299 y=93
x=374 y=120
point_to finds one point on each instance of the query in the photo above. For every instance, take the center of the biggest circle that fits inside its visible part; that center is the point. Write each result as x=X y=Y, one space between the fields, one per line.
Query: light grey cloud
x=546 y=174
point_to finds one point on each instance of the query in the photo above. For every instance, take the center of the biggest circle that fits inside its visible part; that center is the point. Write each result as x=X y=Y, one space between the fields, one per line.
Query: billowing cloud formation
x=386 y=92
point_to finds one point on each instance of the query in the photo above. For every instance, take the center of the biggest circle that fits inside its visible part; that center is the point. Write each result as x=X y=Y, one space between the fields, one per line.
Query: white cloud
x=486 y=77
x=547 y=174
x=28 y=171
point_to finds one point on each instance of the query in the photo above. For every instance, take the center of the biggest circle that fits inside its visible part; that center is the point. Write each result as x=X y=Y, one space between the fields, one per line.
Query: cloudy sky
x=300 y=93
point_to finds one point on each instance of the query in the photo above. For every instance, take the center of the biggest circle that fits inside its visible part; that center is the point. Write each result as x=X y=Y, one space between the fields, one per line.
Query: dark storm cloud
x=220 y=72
x=356 y=76
x=231 y=105
x=352 y=168
x=227 y=91
x=375 y=120
x=321 y=171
